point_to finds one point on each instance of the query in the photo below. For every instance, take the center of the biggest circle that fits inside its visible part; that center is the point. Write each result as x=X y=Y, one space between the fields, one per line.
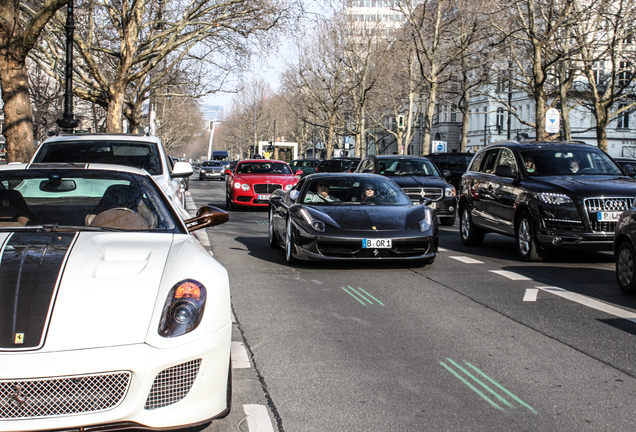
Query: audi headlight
x=450 y=191
x=183 y=309
x=316 y=224
x=555 y=199
x=426 y=223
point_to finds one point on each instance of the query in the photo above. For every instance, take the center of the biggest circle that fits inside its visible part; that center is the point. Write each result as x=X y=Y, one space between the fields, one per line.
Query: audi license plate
x=608 y=216
x=264 y=197
x=376 y=243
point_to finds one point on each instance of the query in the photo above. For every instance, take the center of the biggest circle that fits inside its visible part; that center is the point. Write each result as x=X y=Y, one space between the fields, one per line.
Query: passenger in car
x=14 y=210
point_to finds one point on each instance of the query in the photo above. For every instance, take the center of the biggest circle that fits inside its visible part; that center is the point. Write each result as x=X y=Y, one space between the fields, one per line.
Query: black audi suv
x=547 y=195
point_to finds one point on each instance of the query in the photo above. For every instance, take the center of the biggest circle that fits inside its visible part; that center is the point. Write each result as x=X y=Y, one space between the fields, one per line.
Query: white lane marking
x=589 y=302
x=531 y=295
x=238 y=353
x=466 y=260
x=510 y=275
x=257 y=418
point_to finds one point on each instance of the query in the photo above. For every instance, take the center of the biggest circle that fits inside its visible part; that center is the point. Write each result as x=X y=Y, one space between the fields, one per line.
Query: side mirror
x=299 y=173
x=446 y=173
x=228 y=172
x=207 y=216
x=425 y=201
x=630 y=170
x=504 y=171
x=275 y=198
x=181 y=169
x=294 y=194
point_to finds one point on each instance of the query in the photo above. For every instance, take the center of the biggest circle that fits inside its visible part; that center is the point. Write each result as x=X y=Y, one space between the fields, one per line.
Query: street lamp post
x=68 y=122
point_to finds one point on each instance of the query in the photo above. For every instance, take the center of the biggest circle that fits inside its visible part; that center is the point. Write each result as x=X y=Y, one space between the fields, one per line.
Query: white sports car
x=112 y=315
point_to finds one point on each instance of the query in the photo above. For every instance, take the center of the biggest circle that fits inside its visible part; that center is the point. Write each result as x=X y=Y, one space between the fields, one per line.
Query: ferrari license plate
x=376 y=243
x=608 y=216
x=264 y=197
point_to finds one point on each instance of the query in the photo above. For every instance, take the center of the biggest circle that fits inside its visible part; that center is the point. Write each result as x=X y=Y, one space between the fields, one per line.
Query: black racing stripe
x=29 y=268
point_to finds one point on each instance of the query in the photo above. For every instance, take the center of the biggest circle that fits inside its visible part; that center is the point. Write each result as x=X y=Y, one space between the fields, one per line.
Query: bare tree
x=21 y=24
x=127 y=48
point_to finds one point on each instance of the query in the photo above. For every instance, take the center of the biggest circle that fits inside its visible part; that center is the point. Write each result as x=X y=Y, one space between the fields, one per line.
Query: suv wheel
x=470 y=234
x=527 y=244
x=625 y=268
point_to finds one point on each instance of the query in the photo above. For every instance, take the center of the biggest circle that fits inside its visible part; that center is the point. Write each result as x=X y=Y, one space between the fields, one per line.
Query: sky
x=270 y=69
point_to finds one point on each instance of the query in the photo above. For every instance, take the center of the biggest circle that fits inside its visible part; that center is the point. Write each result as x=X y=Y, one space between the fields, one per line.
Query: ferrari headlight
x=450 y=191
x=426 y=223
x=316 y=224
x=183 y=309
x=555 y=199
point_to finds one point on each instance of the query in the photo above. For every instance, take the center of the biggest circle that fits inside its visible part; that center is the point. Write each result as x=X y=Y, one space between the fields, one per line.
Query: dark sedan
x=419 y=178
x=351 y=217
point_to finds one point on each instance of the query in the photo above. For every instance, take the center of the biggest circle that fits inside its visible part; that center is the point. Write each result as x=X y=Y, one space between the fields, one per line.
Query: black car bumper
x=579 y=241
x=351 y=248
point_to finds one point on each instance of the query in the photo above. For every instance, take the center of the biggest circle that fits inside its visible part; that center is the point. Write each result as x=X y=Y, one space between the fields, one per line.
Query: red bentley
x=252 y=181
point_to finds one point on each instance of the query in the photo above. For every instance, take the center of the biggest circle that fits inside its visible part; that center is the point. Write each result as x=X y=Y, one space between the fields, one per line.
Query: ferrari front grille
x=266 y=188
x=595 y=205
x=62 y=396
x=415 y=194
x=172 y=385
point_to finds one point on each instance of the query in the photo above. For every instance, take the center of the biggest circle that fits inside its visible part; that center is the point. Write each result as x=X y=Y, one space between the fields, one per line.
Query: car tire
x=448 y=221
x=228 y=202
x=528 y=246
x=469 y=233
x=201 y=178
x=273 y=242
x=625 y=257
x=290 y=244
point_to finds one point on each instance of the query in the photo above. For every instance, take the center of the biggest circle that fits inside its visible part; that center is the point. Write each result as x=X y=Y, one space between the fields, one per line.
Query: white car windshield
x=82 y=199
x=142 y=155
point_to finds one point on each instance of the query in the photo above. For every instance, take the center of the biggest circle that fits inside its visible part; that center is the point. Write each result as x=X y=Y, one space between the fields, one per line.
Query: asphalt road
x=477 y=341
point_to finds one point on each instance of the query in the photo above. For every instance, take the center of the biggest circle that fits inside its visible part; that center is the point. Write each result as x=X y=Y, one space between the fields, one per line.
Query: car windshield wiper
x=58 y=227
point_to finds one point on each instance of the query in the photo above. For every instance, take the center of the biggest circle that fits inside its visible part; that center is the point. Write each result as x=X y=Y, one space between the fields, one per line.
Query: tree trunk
x=602 y=119
x=428 y=119
x=465 y=119
x=18 y=116
x=114 y=118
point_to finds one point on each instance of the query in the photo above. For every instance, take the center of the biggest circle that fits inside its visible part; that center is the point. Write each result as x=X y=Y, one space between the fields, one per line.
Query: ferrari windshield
x=568 y=161
x=369 y=190
x=82 y=198
x=407 y=167
x=266 y=167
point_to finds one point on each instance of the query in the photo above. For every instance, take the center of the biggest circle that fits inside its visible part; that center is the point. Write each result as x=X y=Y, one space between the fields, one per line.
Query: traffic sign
x=552 y=121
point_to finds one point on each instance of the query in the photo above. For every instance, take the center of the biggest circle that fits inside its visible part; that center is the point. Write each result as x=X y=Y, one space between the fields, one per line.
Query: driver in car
x=321 y=195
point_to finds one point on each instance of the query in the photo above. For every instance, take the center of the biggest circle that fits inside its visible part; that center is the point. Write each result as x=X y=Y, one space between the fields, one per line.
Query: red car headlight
x=183 y=309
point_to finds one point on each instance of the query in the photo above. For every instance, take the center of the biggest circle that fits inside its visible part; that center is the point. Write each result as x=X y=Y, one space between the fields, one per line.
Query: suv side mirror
x=181 y=169
x=630 y=170
x=446 y=173
x=504 y=171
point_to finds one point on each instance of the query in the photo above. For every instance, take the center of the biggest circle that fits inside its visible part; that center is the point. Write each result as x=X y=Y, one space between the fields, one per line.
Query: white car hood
x=107 y=292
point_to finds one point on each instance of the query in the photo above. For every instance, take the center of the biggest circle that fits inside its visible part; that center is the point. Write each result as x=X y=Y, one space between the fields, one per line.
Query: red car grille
x=266 y=188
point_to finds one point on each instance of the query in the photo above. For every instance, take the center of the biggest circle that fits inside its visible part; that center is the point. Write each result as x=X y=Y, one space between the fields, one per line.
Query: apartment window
x=444 y=114
x=622 y=121
x=624 y=74
x=453 y=116
x=500 y=119
x=598 y=68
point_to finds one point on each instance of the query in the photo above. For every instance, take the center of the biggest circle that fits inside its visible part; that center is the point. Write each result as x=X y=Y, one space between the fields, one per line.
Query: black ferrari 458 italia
x=347 y=216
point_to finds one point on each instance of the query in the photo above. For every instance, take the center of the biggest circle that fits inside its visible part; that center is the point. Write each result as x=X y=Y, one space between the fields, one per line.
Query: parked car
x=307 y=166
x=418 y=177
x=140 y=151
x=625 y=252
x=252 y=182
x=548 y=195
x=214 y=169
x=345 y=226
x=455 y=163
x=86 y=244
x=340 y=164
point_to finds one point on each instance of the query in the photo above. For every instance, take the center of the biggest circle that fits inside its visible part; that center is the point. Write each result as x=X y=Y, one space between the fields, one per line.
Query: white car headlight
x=450 y=191
x=555 y=199
x=237 y=185
x=245 y=187
x=183 y=309
x=288 y=187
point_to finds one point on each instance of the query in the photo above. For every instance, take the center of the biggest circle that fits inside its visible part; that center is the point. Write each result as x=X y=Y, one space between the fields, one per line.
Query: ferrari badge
x=19 y=338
